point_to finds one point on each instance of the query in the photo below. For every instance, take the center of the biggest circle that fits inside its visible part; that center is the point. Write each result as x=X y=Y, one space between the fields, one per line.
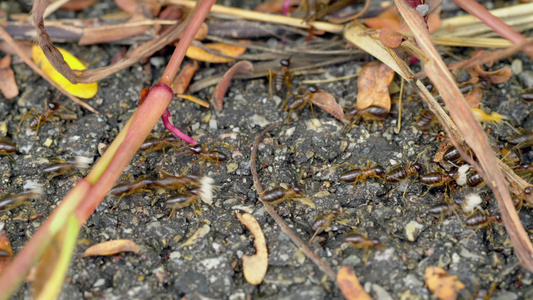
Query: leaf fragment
x=197 y=53
x=442 y=284
x=8 y=85
x=6 y=251
x=254 y=266
x=54 y=263
x=111 y=248
x=182 y=81
x=327 y=102
x=373 y=84
x=82 y=90
x=76 y=5
x=242 y=67
x=390 y=38
x=350 y=286
x=390 y=18
x=200 y=233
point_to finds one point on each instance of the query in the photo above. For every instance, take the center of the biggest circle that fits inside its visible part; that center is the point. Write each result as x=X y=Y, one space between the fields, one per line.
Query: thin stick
x=325 y=267
x=397 y=129
x=262 y=17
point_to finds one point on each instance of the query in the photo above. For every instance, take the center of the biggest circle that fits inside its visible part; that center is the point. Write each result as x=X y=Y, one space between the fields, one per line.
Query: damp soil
x=306 y=150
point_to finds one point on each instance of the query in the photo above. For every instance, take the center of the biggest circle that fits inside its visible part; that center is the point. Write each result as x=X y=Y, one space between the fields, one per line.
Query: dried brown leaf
x=390 y=38
x=6 y=252
x=8 y=85
x=110 y=33
x=50 y=51
x=197 y=53
x=276 y=6
x=442 y=284
x=111 y=248
x=373 y=84
x=350 y=286
x=77 y=4
x=327 y=102
x=390 y=18
x=254 y=266
x=146 y=7
x=473 y=98
x=497 y=76
x=184 y=77
x=242 y=67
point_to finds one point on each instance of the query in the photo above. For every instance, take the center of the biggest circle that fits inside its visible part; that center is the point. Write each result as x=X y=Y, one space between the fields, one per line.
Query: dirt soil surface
x=301 y=151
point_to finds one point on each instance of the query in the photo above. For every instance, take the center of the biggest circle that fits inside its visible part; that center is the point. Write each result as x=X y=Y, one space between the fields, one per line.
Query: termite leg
x=29 y=113
x=270 y=76
x=5 y=152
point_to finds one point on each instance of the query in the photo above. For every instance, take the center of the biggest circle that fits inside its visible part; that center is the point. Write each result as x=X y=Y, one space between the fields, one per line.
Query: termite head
x=285 y=62
x=196 y=149
x=352 y=113
x=418 y=167
x=298 y=190
x=53 y=106
x=313 y=89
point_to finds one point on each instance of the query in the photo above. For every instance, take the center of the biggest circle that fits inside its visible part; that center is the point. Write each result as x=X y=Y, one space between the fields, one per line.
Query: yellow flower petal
x=81 y=90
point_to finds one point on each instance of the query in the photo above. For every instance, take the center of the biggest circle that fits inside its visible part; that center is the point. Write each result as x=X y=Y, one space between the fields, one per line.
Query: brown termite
x=279 y=194
x=280 y=79
x=11 y=201
x=474 y=179
x=61 y=166
x=360 y=241
x=362 y=174
x=483 y=220
x=7 y=148
x=376 y=112
x=521 y=141
x=155 y=144
x=170 y=182
x=425 y=118
x=51 y=111
x=301 y=101
x=207 y=155
x=398 y=173
x=436 y=179
x=179 y=201
x=322 y=222
x=128 y=188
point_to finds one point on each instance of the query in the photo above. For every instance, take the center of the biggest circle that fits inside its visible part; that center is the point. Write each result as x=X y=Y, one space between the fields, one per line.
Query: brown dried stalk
x=325 y=267
x=472 y=133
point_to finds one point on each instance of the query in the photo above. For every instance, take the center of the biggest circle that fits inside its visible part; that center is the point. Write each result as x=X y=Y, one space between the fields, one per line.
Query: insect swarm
x=38 y=117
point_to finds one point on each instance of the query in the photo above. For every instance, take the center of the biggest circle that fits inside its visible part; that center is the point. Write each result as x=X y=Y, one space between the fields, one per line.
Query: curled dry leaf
x=497 y=76
x=202 y=33
x=254 y=266
x=244 y=67
x=182 y=81
x=390 y=38
x=473 y=98
x=442 y=284
x=77 y=4
x=198 y=53
x=200 y=233
x=350 y=286
x=6 y=252
x=82 y=90
x=327 y=102
x=8 y=85
x=111 y=248
x=373 y=84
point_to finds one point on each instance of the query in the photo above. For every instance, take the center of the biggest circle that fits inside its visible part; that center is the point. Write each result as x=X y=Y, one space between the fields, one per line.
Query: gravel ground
x=300 y=151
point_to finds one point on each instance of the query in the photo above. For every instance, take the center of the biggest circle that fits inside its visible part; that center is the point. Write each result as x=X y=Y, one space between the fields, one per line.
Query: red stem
x=166 y=121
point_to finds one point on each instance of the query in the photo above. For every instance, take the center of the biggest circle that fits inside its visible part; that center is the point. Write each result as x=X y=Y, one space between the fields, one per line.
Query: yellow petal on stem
x=81 y=90
x=254 y=266
x=111 y=248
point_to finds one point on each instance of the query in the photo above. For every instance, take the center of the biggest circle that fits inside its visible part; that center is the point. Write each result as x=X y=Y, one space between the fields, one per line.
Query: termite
x=14 y=200
x=48 y=115
x=321 y=223
x=128 y=188
x=7 y=148
x=280 y=79
x=207 y=155
x=277 y=195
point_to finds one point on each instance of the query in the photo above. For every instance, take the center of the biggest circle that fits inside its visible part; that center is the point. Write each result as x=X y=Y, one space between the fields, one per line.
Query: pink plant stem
x=495 y=23
x=166 y=121
x=285 y=8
